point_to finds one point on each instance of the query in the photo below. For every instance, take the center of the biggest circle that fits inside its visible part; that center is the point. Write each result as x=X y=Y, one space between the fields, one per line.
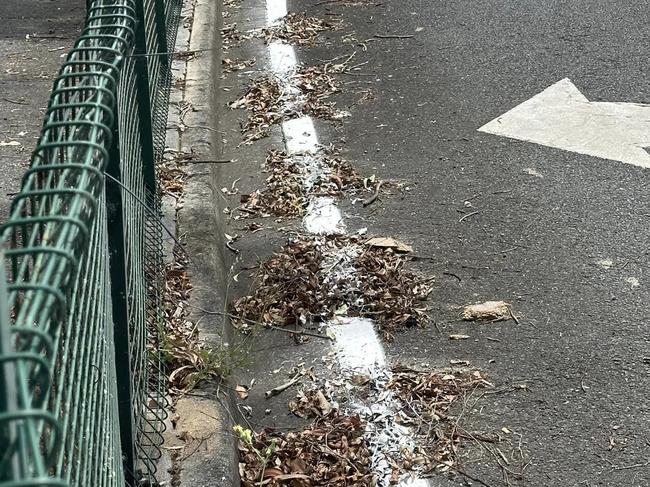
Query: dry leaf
x=458 y=337
x=489 y=310
x=389 y=243
x=242 y=392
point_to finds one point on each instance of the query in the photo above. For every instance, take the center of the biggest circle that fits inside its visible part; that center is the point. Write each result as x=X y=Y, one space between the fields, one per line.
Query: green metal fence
x=82 y=388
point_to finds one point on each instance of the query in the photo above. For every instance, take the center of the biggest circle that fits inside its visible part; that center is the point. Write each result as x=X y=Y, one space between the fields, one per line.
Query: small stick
x=452 y=275
x=391 y=36
x=14 y=101
x=513 y=315
x=277 y=390
x=373 y=198
x=467 y=216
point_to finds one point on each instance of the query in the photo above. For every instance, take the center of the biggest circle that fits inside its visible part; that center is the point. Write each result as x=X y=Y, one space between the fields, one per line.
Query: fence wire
x=82 y=387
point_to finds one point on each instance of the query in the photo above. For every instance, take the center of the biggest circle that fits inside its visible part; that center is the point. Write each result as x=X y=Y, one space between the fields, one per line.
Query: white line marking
x=323 y=217
x=563 y=118
x=283 y=59
x=275 y=10
x=358 y=348
x=300 y=136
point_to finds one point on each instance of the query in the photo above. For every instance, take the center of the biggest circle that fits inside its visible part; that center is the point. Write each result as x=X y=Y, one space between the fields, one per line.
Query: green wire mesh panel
x=82 y=389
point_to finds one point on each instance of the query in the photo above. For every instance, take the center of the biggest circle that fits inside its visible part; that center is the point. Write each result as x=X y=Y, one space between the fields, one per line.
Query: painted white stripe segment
x=300 y=135
x=283 y=59
x=358 y=348
x=275 y=10
x=563 y=118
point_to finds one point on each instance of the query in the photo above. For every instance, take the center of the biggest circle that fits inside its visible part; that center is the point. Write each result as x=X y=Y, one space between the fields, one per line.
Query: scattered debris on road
x=432 y=406
x=389 y=243
x=293 y=178
x=272 y=99
x=487 y=311
x=262 y=99
x=331 y=452
x=310 y=279
x=311 y=403
x=298 y=29
x=229 y=65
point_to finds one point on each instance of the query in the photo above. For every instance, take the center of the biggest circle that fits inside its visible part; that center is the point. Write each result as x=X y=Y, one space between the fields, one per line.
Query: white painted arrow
x=563 y=118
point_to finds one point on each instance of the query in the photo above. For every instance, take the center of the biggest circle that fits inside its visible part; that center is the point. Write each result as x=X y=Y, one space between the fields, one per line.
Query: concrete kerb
x=211 y=460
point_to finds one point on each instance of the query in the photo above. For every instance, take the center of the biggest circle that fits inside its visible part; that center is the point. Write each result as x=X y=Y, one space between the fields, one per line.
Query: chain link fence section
x=82 y=386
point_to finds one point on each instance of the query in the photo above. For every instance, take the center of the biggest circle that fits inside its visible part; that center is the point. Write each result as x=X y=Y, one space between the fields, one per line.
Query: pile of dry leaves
x=331 y=452
x=184 y=355
x=297 y=28
x=172 y=179
x=262 y=99
x=432 y=405
x=312 y=280
x=311 y=403
x=272 y=101
x=317 y=83
x=179 y=340
x=290 y=183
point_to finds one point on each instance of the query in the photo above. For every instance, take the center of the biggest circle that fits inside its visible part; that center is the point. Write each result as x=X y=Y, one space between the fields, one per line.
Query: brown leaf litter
x=298 y=29
x=290 y=183
x=317 y=83
x=229 y=65
x=272 y=101
x=262 y=99
x=184 y=354
x=310 y=279
x=311 y=403
x=332 y=452
x=231 y=36
x=434 y=405
x=172 y=179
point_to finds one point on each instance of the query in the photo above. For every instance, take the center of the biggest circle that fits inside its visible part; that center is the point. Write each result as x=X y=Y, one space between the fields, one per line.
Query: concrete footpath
x=34 y=38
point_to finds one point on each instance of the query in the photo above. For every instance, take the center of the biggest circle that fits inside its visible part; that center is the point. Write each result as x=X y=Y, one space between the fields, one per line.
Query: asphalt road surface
x=560 y=235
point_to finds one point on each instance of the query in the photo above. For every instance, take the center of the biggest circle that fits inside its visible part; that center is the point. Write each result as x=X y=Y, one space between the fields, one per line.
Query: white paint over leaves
x=411 y=482
x=633 y=282
x=563 y=118
x=323 y=217
x=358 y=347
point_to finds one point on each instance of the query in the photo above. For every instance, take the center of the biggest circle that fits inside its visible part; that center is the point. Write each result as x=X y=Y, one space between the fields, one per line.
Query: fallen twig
x=265 y=325
x=467 y=216
x=281 y=388
x=369 y=201
x=393 y=36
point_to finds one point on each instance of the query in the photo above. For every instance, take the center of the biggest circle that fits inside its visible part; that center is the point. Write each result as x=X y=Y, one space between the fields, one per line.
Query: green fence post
x=119 y=300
